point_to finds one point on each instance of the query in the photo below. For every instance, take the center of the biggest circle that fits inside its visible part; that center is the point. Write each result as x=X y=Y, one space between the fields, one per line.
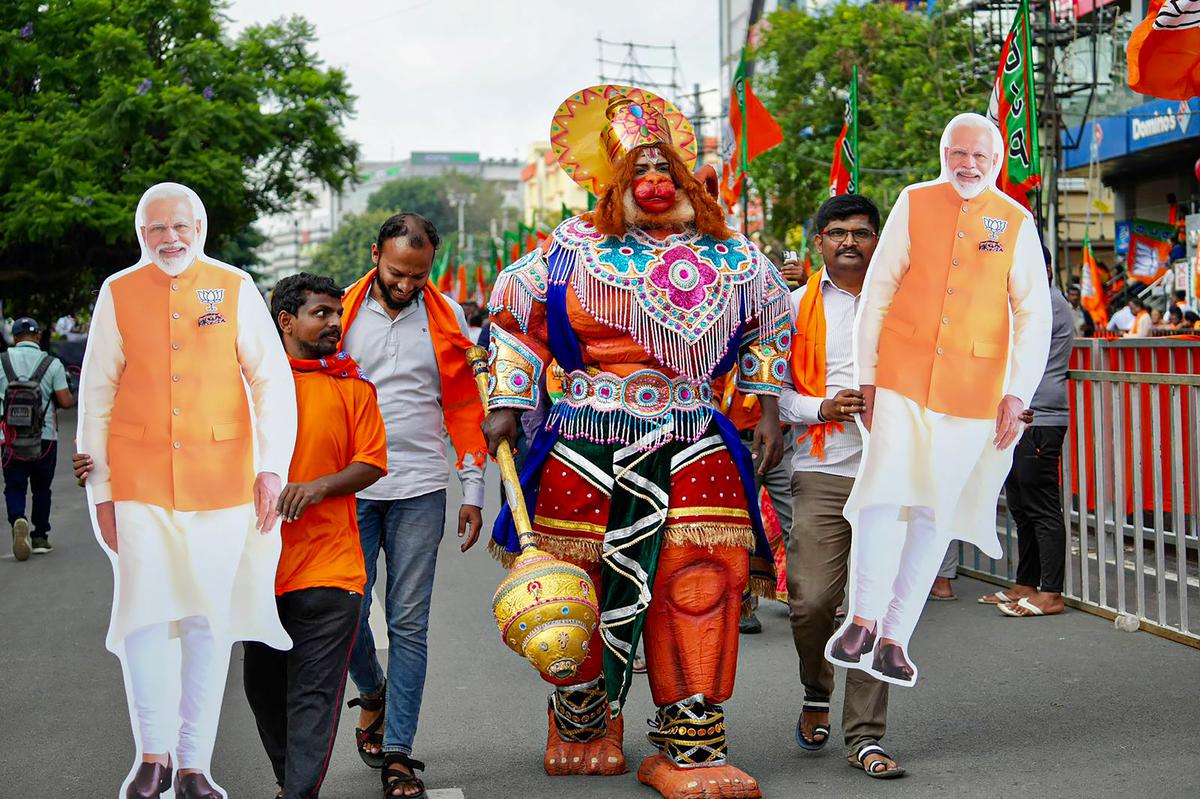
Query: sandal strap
x=815 y=706
x=390 y=758
x=371 y=702
x=873 y=749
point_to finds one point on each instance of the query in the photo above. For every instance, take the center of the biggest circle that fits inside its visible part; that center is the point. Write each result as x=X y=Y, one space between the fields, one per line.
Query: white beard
x=175 y=266
x=969 y=192
x=677 y=217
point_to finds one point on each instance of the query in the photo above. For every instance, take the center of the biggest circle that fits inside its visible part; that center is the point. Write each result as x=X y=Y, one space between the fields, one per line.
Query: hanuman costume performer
x=636 y=476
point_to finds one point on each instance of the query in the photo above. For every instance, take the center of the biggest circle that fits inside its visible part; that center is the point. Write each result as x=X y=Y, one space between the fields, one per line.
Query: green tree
x=347 y=255
x=429 y=197
x=99 y=100
x=915 y=73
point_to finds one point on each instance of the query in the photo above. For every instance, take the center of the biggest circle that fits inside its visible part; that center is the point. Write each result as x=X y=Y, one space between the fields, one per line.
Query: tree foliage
x=347 y=255
x=99 y=100
x=915 y=73
x=429 y=197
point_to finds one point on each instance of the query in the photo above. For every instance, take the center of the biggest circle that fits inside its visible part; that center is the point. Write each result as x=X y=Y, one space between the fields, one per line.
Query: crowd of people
x=353 y=394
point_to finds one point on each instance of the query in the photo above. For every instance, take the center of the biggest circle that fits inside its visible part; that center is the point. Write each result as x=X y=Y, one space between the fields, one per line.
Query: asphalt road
x=1059 y=707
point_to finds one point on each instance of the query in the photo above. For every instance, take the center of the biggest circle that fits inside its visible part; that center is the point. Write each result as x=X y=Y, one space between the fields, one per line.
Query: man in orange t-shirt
x=341 y=448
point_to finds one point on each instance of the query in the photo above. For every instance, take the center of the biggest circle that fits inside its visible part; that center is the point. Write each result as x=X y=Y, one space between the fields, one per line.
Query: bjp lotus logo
x=995 y=227
x=211 y=298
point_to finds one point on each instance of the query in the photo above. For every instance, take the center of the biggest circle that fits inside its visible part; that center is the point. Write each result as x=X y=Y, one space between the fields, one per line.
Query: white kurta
x=915 y=457
x=172 y=564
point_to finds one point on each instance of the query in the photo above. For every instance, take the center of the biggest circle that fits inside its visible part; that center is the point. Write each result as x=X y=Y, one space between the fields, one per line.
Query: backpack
x=24 y=409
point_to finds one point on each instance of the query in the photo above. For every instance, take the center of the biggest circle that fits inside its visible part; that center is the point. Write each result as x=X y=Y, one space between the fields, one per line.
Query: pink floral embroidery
x=683 y=276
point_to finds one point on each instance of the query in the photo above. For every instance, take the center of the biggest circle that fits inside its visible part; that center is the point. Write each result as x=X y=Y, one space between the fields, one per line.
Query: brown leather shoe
x=890 y=662
x=151 y=781
x=195 y=786
x=853 y=644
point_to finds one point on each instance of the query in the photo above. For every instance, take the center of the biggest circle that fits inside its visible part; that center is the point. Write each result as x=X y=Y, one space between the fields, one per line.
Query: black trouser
x=1035 y=500
x=296 y=695
x=37 y=474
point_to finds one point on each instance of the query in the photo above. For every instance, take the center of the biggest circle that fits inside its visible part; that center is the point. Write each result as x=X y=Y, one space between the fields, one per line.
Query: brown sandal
x=394 y=778
x=372 y=734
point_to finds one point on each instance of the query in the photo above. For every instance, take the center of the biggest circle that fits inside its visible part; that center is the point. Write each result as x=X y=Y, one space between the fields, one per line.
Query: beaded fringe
x=616 y=307
x=511 y=293
x=607 y=427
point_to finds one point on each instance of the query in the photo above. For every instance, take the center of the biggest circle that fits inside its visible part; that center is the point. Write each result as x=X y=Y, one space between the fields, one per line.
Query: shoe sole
x=41 y=550
x=21 y=547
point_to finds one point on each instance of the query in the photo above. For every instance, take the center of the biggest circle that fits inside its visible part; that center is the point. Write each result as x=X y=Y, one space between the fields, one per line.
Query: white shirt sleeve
x=1029 y=295
x=795 y=408
x=471 y=474
x=888 y=267
x=272 y=389
x=103 y=364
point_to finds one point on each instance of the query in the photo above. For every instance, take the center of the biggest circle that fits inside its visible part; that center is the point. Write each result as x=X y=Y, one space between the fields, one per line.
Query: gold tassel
x=711 y=535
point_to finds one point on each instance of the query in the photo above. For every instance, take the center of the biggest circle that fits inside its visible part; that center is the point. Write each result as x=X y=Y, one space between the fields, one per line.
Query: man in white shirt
x=824 y=464
x=1122 y=320
x=391 y=331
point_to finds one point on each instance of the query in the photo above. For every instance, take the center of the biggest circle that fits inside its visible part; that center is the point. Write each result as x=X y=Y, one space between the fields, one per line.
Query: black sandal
x=813 y=744
x=372 y=734
x=878 y=769
x=394 y=778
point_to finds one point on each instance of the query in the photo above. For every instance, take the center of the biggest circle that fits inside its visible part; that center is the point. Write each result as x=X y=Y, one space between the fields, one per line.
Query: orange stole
x=944 y=342
x=461 y=407
x=808 y=359
x=179 y=435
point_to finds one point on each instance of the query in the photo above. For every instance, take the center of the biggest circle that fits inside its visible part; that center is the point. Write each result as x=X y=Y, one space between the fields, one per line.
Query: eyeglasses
x=837 y=235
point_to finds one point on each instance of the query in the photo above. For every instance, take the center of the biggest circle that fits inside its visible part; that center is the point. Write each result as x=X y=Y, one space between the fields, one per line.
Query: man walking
x=32 y=382
x=820 y=399
x=182 y=367
x=412 y=341
x=1032 y=489
x=341 y=448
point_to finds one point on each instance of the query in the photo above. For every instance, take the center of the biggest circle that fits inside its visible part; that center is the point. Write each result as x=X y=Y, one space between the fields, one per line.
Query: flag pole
x=745 y=165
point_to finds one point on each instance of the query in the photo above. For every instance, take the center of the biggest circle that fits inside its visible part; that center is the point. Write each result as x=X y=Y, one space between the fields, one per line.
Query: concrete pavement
x=1062 y=707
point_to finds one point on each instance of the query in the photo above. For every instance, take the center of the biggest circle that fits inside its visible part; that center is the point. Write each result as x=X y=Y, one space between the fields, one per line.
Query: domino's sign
x=1158 y=123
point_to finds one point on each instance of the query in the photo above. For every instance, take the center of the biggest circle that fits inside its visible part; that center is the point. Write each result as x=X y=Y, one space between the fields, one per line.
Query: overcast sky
x=486 y=75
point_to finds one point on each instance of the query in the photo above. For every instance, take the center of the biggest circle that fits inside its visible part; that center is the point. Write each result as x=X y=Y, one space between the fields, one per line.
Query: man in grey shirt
x=1032 y=489
x=393 y=338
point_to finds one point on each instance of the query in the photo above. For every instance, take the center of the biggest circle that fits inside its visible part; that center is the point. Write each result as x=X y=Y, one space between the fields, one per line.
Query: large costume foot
x=602 y=756
x=707 y=782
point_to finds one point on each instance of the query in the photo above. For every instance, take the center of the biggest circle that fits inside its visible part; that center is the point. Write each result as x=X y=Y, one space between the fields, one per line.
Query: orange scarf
x=460 y=398
x=808 y=359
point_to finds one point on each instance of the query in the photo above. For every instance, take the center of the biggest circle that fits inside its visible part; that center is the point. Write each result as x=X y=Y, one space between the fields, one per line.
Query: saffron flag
x=1014 y=110
x=1149 y=250
x=512 y=241
x=751 y=131
x=1164 y=51
x=445 y=281
x=462 y=283
x=1091 y=287
x=843 y=176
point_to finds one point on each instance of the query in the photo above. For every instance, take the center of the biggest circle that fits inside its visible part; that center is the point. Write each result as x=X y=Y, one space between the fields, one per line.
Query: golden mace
x=545 y=608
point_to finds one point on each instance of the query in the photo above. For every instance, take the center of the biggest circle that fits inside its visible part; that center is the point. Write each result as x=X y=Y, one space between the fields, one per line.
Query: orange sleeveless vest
x=179 y=436
x=944 y=342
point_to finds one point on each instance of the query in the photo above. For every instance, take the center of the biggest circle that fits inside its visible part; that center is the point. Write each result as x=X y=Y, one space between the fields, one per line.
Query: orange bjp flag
x=1164 y=51
x=1091 y=287
x=462 y=283
x=751 y=132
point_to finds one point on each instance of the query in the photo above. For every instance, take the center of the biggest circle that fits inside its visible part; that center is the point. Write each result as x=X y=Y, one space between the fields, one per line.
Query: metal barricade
x=1130 y=493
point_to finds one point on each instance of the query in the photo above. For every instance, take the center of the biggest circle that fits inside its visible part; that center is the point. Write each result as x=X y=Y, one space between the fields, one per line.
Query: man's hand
x=792 y=270
x=842 y=406
x=767 y=447
x=82 y=464
x=500 y=428
x=1027 y=416
x=266 y=496
x=470 y=522
x=868 y=411
x=298 y=496
x=106 y=520
x=1008 y=421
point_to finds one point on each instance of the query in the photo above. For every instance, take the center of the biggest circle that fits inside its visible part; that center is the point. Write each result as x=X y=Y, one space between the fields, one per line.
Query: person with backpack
x=31 y=382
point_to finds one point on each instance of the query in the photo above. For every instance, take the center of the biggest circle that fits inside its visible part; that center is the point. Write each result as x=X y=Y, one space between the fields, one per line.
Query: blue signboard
x=1139 y=128
x=1122 y=233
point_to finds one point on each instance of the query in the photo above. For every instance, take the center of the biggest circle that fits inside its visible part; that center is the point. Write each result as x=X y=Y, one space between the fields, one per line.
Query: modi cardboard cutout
x=188 y=410
x=951 y=340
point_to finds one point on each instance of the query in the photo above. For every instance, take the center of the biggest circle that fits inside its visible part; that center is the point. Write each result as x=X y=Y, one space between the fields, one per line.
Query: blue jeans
x=37 y=474
x=409 y=532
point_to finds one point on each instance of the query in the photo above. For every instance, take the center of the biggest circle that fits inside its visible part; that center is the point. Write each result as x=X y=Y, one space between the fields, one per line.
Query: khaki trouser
x=818 y=555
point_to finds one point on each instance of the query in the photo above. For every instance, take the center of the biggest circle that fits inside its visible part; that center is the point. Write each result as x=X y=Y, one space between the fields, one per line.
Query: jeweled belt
x=645 y=409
